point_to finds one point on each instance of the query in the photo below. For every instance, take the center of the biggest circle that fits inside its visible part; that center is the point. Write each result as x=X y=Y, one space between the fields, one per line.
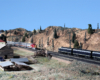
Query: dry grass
x=22 y=52
x=55 y=70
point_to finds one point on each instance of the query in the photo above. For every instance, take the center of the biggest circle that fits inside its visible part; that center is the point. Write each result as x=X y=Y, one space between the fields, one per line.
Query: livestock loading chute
x=80 y=52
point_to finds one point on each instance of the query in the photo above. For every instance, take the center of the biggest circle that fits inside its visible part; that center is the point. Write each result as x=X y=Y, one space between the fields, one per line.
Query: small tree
x=76 y=44
x=3 y=37
x=30 y=34
x=23 y=39
x=26 y=35
x=32 y=40
x=40 y=28
x=46 y=32
x=39 y=43
x=48 y=41
x=85 y=38
x=62 y=30
x=69 y=41
x=1 y=30
x=64 y=25
x=52 y=43
x=55 y=34
x=90 y=29
x=5 y=32
x=34 y=31
x=15 y=32
x=73 y=37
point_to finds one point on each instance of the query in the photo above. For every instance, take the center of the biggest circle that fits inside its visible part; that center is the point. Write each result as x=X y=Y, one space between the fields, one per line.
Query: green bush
x=23 y=39
x=55 y=34
x=26 y=35
x=90 y=29
x=73 y=37
x=34 y=31
x=76 y=44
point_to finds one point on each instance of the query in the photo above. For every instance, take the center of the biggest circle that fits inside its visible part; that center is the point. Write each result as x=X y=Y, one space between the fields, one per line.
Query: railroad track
x=70 y=57
x=27 y=48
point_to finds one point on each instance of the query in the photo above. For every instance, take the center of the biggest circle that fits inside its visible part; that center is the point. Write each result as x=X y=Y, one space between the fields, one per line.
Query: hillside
x=92 y=42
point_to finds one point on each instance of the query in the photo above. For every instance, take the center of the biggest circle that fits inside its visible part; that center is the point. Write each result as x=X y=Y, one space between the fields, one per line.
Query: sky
x=31 y=14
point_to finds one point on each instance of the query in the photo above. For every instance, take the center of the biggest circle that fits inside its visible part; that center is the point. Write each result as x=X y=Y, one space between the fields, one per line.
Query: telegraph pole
x=85 y=38
x=42 y=43
x=53 y=44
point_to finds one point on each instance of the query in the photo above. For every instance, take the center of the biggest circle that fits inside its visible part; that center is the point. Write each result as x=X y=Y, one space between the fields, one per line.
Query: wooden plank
x=1 y=68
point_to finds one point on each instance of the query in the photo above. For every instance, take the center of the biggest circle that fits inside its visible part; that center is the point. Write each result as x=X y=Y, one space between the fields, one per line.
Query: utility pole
x=85 y=38
x=53 y=44
x=12 y=39
x=42 y=42
x=39 y=44
x=48 y=41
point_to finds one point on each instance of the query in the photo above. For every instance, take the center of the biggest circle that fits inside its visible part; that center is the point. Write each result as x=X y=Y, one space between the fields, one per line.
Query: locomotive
x=80 y=52
x=22 y=44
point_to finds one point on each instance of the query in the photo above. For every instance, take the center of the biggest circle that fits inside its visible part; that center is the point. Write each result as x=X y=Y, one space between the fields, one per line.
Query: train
x=66 y=50
x=80 y=52
x=22 y=44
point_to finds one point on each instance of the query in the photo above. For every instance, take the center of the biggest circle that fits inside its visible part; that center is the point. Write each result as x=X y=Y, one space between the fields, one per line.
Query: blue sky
x=30 y=14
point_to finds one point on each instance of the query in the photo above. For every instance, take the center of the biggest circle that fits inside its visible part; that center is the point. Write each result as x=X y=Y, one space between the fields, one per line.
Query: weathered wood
x=6 y=51
x=1 y=68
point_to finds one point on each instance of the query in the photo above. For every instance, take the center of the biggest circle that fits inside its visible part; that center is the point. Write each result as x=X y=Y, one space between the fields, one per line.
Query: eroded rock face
x=63 y=39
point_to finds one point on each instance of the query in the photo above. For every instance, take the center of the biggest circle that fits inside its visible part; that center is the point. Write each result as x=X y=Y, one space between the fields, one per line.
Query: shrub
x=90 y=29
x=76 y=44
x=23 y=39
x=73 y=37
x=26 y=35
x=34 y=31
x=55 y=34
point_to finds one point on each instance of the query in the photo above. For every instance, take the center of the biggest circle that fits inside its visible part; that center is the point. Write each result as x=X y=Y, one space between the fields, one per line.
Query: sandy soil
x=60 y=60
x=16 y=48
x=67 y=62
x=55 y=69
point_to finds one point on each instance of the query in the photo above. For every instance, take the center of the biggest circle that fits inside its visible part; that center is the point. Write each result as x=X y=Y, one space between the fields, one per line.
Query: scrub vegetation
x=53 y=69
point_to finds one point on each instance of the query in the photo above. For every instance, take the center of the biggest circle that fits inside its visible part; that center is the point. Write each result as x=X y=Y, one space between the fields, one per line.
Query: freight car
x=80 y=52
x=22 y=44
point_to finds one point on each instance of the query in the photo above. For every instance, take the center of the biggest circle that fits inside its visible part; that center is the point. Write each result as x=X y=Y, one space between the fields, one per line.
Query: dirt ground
x=67 y=62
x=54 y=69
x=17 y=48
